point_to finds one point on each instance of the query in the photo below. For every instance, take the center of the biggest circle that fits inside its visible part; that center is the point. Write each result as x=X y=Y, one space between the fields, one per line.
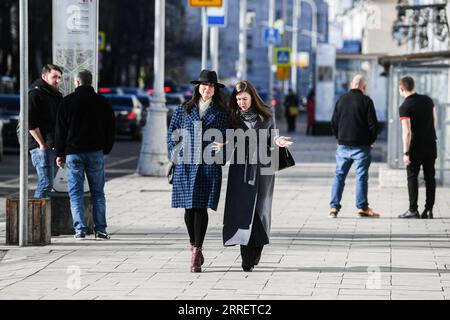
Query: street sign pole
x=23 y=211
x=153 y=158
x=204 y=39
x=270 y=54
x=295 y=17
x=242 y=72
x=214 y=43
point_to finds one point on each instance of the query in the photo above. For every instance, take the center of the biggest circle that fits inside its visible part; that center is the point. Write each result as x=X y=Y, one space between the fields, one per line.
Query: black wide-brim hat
x=209 y=77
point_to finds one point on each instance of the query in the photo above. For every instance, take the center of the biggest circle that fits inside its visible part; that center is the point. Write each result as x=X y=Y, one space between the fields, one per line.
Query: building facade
x=257 y=50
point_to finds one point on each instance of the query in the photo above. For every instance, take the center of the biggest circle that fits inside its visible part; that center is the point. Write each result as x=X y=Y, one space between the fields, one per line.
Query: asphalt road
x=121 y=161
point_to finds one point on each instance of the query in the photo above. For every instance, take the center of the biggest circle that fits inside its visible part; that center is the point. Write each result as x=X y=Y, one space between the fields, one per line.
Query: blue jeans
x=345 y=156
x=91 y=163
x=44 y=163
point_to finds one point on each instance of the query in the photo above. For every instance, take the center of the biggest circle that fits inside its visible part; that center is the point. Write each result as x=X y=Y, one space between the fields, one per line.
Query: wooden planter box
x=62 y=222
x=39 y=221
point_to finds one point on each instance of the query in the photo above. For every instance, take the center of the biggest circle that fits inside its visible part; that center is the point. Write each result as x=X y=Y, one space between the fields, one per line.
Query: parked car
x=1 y=140
x=9 y=116
x=173 y=100
x=186 y=89
x=129 y=113
x=145 y=99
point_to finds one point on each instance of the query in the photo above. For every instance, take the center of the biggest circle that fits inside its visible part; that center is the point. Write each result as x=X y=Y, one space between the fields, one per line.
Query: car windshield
x=144 y=100
x=173 y=100
x=10 y=103
x=121 y=101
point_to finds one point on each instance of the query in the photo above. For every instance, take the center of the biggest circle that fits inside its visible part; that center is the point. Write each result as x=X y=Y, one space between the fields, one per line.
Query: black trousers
x=291 y=123
x=196 y=222
x=251 y=253
x=429 y=172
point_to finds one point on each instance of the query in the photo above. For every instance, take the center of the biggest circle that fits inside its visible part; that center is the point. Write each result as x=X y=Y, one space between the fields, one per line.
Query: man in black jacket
x=85 y=131
x=44 y=99
x=354 y=123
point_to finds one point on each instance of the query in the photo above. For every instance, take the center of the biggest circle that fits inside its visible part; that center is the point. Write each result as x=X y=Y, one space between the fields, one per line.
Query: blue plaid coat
x=195 y=183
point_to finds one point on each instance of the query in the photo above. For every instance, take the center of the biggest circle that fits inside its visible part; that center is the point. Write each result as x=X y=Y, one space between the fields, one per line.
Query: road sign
x=283 y=73
x=279 y=25
x=302 y=59
x=205 y=3
x=283 y=57
x=271 y=36
x=217 y=16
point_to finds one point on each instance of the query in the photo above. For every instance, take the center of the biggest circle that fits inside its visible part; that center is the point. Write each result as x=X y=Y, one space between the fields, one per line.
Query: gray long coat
x=249 y=192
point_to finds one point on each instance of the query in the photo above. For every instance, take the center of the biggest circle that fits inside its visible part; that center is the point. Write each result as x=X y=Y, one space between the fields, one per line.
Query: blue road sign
x=216 y=21
x=283 y=56
x=271 y=36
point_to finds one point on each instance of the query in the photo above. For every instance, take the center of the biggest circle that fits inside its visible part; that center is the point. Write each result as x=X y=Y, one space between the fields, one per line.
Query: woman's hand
x=283 y=142
x=217 y=146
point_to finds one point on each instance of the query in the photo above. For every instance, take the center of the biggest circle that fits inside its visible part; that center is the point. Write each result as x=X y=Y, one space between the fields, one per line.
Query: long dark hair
x=217 y=100
x=258 y=105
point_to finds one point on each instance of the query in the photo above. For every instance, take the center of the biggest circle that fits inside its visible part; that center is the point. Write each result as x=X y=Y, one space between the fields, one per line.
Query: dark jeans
x=44 y=162
x=93 y=164
x=413 y=183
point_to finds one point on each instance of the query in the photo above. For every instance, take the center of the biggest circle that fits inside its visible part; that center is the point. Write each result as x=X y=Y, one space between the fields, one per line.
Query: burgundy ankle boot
x=196 y=265
x=202 y=259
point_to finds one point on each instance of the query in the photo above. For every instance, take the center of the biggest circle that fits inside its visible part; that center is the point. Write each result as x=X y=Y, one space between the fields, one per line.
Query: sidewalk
x=310 y=256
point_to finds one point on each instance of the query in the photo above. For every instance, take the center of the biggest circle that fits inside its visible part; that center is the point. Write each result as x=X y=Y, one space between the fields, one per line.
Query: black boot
x=427 y=214
x=410 y=215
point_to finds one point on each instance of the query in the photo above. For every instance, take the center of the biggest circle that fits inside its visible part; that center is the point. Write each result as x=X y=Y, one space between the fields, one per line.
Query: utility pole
x=214 y=43
x=153 y=158
x=23 y=211
x=284 y=38
x=204 y=39
x=270 y=53
x=296 y=14
x=242 y=72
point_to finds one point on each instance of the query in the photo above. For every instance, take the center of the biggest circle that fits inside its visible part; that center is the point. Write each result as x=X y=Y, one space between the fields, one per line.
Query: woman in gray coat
x=251 y=179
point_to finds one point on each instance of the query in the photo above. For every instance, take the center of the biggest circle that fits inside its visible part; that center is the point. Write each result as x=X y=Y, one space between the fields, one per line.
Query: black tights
x=196 y=223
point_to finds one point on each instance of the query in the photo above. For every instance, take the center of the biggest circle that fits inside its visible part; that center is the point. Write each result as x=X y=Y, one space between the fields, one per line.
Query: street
x=120 y=162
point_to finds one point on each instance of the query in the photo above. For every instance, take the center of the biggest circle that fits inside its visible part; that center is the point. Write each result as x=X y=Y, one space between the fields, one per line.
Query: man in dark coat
x=291 y=105
x=354 y=123
x=85 y=132
x=44 y=99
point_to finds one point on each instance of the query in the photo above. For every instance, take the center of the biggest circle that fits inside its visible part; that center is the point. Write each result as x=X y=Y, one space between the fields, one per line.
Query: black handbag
x=170 y=171
x=285 y=159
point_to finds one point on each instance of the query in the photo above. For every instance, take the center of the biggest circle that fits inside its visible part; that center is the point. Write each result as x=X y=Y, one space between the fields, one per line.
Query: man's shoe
x=410 y=215
x=79 y=236
x=102 y=236
x=427 y=214
x=369 y=213
x=333 y=213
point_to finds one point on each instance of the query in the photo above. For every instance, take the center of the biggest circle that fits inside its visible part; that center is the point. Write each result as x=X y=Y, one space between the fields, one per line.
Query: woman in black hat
x=197 y=179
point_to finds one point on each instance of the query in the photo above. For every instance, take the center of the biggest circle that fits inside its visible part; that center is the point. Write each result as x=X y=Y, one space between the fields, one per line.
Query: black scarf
x=249 y=115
